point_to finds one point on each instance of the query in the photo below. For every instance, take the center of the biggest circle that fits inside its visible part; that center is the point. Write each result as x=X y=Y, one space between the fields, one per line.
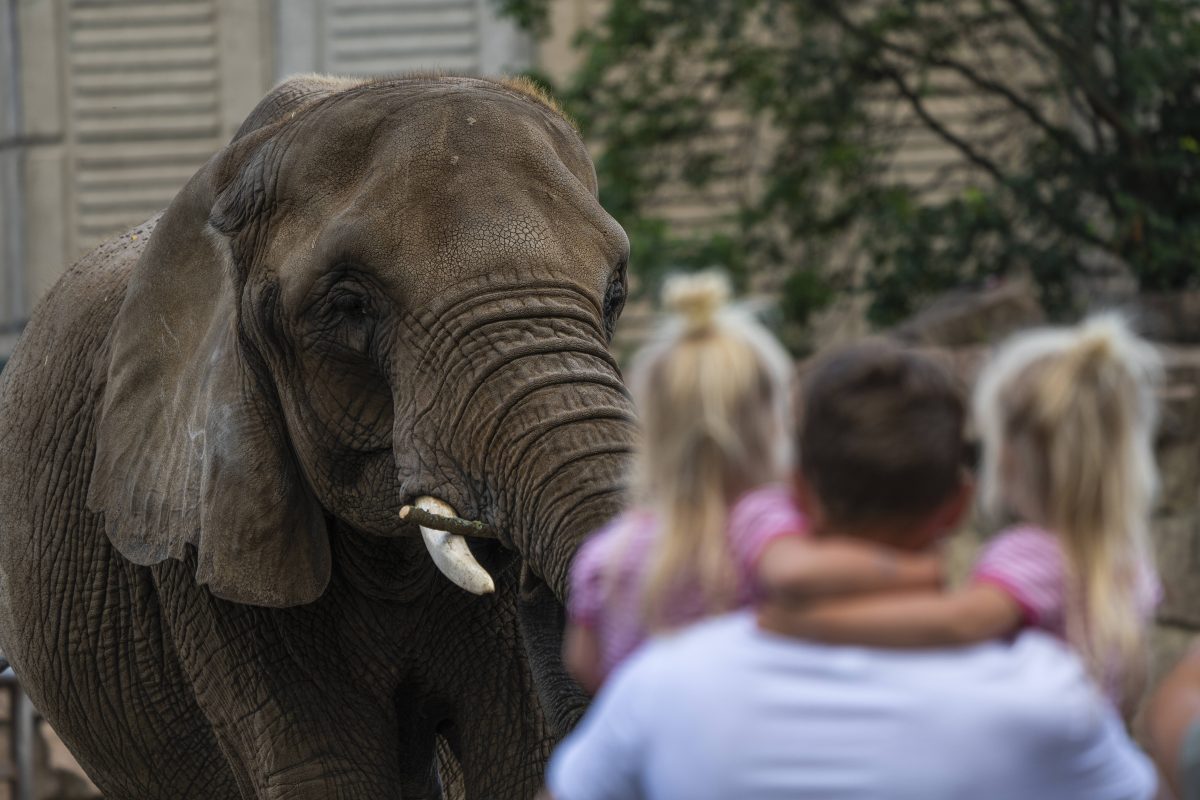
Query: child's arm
x=581 y=655
x=798 y=569
x=976 y=613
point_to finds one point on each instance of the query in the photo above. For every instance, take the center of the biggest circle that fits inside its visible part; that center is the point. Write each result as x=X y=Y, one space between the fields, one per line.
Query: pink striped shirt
x=1027 y=564
x=609 y=570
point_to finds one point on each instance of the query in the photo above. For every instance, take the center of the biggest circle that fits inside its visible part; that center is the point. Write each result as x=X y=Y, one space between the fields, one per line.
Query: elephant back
x=290 y=96
x=70 y=325
x=50 y=397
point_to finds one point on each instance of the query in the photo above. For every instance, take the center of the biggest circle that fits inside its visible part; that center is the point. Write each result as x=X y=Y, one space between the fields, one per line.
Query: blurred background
x=854 y=160
x=947 y=172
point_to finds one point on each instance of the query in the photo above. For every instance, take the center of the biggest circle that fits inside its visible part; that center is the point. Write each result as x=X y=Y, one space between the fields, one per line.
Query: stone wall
x=1177 y=518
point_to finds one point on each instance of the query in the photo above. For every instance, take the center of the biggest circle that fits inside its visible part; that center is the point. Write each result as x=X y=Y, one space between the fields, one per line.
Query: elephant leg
x=290 y=731
x=421 y=771
x=498 y=732
x=98 y=664
x=501 y=743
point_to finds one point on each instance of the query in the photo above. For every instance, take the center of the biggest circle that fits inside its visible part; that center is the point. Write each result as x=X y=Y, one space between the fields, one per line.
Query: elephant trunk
x=534 y=438
x=538 y=440
x=570 y=483
x=564 y=448
x=559 y=459
x=573 y=495
x=576 y=487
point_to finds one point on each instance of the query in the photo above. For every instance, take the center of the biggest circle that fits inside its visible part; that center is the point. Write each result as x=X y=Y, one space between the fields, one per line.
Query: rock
x=1169 y=316
x=1177 y=550
x=966 y=317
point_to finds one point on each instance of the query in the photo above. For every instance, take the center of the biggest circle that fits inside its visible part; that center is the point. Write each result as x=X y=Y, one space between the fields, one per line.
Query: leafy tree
x=1075 y=126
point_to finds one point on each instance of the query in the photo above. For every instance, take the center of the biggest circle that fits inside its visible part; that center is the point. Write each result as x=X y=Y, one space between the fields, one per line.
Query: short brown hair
x=881 y=433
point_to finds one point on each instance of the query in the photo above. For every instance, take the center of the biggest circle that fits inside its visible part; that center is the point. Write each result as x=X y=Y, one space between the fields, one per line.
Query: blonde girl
x=713 y=389
x=1067 y=419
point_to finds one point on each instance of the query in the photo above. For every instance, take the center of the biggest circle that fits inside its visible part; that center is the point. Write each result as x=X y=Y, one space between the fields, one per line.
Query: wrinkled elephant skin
x=378 y=291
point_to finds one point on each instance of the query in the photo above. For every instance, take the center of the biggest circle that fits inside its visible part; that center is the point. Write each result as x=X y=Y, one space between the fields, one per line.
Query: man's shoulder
x=697 y=647
x=1033 y=664
x=1033 y=650
x=726 y=630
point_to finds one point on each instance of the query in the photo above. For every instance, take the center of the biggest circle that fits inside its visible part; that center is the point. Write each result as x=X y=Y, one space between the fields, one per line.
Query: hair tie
x=696 y=298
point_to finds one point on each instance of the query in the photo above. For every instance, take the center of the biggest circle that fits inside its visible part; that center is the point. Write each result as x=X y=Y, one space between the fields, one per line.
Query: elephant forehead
x=460 y=208
x=461 y=184
x=515 y=237
x=422 y=251
x=534 y=231
x=423 y=131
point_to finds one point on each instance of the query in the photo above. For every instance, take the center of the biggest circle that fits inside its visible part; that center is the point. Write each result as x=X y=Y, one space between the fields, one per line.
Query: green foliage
x=1084 y=144
x=529 y=14
x=804 y=292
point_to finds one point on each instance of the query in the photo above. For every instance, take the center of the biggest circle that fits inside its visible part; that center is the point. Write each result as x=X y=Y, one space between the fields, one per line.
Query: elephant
x=379 y=291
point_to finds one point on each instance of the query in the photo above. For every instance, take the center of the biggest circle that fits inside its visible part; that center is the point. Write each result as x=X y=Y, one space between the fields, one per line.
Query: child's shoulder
x=1019 y=547
x=1026 y=562
x=758 y=518
x=627 y=529
x=1024 y=535
x=608 y=557
x=772 y=505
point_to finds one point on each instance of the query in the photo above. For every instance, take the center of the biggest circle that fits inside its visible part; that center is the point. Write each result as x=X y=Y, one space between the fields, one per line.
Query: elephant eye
x=350 y=318
x=614 y=300
x=350 y=305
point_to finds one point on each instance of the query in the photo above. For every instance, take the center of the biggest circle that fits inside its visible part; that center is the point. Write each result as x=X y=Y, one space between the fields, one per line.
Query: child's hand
x=581 y=655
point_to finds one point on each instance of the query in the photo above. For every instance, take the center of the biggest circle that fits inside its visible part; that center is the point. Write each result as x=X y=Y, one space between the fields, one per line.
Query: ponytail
x=713 y=391
x=1075 y=411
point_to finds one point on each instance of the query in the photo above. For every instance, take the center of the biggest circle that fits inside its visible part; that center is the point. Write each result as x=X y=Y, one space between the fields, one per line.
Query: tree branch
x=1070 y=58
x=1064 y=137
x=972 y=155
x=437 y=522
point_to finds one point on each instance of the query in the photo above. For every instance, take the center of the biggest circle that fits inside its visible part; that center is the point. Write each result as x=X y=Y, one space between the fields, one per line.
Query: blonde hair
x=1067 y=418
x=713 y=389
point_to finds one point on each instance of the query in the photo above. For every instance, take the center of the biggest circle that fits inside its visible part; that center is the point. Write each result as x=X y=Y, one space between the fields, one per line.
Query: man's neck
x=901 y=534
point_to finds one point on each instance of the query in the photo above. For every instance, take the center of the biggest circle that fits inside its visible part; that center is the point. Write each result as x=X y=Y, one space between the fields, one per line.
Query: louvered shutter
x=370 y=38
x=144 y=108
x=153 y=89
x=387 y=37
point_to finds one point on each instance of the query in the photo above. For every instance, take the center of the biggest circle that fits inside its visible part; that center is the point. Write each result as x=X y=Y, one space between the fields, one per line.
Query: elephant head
x=378 y=291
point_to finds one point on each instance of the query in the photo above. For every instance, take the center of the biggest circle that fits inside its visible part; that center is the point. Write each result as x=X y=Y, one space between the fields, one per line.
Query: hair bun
x=696 y=298
x=1102 y=338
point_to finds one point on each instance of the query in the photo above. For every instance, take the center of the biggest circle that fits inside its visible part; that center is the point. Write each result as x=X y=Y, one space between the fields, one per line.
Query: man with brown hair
x=726 y=709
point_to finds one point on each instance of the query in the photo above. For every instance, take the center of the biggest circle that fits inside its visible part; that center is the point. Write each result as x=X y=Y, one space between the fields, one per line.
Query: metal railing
x=18 y=768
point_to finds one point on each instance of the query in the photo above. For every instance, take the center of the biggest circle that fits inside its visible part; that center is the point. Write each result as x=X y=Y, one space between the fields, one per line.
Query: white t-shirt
x=724 y=710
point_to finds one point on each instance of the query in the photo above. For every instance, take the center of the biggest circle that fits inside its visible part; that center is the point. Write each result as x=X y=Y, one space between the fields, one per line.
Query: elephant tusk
x=450 y=552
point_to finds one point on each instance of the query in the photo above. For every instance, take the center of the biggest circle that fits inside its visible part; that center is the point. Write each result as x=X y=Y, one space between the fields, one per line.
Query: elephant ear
x=191 y=447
